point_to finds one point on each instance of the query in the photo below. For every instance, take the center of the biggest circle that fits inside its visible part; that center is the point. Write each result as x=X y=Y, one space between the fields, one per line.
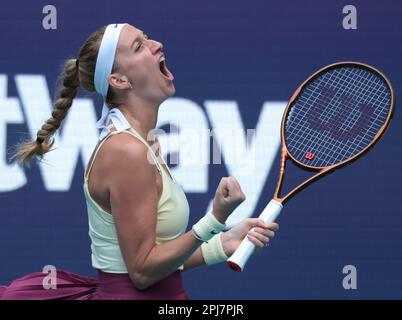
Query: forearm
x=195 y=260
x=163 y=259
x=209 y=253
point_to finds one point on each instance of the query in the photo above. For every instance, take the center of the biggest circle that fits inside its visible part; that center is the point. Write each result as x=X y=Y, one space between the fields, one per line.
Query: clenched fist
x=228 y=196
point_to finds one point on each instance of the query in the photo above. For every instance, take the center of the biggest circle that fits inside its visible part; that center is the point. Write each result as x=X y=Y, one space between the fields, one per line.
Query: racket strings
x=336 y=116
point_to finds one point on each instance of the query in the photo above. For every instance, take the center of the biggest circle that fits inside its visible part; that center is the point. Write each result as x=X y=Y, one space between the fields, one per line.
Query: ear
x=118 y=81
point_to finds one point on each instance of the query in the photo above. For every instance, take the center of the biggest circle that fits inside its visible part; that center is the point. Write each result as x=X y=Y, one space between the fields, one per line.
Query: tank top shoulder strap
x=132 y=132
x=135 y=134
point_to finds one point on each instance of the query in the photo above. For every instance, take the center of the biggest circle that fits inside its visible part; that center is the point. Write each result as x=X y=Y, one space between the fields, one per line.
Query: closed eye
x=139 y=46
x=141 y=43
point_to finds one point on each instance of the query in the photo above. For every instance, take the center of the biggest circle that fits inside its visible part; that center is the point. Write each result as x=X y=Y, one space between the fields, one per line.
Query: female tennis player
x=137 y=212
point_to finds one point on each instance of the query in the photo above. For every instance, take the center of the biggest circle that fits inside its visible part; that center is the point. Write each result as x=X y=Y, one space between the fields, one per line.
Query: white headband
x=104 y=65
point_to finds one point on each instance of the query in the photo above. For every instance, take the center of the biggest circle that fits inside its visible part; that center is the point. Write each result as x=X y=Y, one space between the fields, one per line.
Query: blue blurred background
x=247 y=54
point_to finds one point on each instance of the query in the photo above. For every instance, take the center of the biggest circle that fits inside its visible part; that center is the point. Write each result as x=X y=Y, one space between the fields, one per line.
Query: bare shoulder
x=122 y=140
x=122 y=152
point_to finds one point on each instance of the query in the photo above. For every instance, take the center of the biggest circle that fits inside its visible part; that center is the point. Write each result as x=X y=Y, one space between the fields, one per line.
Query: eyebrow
x=136 y=39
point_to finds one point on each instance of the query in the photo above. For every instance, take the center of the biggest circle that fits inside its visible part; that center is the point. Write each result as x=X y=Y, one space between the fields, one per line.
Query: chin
x=171 y=90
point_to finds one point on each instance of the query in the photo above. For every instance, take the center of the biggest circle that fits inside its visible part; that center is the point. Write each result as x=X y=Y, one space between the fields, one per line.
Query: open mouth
x=164 y=70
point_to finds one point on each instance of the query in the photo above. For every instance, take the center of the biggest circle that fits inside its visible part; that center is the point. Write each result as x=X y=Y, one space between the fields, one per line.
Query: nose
x=155 y=46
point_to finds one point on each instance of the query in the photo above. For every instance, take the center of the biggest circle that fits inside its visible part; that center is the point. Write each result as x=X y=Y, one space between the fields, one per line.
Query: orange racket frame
x=285 y=154
x=240 y=257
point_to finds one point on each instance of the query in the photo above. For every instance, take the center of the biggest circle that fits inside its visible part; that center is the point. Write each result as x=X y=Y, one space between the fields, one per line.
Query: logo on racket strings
x=334 y=123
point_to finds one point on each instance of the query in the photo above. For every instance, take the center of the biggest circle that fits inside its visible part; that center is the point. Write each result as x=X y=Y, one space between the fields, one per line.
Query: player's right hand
x=228 y=197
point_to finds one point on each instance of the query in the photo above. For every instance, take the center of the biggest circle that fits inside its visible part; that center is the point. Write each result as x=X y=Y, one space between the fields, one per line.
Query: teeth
x=162 y=59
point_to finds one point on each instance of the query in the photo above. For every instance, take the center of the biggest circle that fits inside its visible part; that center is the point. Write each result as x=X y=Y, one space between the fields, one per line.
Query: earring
x=130 y=86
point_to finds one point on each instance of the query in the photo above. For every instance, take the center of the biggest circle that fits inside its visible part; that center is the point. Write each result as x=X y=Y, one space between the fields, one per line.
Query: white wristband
x=207 y=227
x=213 y=252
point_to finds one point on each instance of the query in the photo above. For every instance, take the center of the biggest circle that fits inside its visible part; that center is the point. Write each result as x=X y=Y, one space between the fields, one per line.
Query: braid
x=76 y=72
x=44 y=141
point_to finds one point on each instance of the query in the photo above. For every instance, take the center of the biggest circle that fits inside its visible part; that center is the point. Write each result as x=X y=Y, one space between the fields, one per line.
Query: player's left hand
x=255 y=229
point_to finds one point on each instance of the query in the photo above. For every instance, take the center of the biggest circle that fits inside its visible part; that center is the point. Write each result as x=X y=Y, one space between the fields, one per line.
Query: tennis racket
x=333 y=118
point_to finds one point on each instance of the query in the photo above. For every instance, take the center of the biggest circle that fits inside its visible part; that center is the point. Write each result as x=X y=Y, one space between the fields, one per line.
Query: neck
x=142 y=116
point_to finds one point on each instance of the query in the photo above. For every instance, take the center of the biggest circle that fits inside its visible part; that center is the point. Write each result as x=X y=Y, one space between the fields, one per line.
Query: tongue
x=165 y=71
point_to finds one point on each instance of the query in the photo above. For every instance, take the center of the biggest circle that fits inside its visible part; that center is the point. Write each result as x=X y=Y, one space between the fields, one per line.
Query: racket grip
x=240 y=257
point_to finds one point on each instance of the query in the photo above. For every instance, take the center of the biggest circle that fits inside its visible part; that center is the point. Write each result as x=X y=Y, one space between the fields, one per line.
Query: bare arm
x=195 y=260
x=134 y=199
x=133 y=194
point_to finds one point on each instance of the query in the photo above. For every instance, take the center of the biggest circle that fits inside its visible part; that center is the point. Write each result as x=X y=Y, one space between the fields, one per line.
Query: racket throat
x=291 y=192
x=278 y=189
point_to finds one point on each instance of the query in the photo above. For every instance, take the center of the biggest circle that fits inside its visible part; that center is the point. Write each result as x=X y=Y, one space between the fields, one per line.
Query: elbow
x=140 y=281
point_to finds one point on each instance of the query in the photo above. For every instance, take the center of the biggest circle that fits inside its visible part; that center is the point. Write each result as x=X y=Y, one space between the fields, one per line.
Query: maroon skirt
x=108 y=286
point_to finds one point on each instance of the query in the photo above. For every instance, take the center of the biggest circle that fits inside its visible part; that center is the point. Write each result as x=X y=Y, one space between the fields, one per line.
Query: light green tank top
x=172 y=216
